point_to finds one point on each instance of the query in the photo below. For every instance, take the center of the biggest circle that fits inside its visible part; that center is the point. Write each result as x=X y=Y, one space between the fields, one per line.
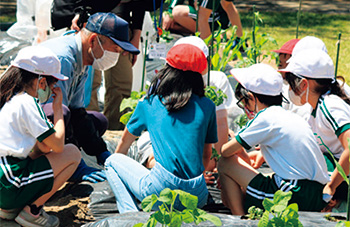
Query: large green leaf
x=280 y=200
x=128 y=103
x=292 y=211
x=268 y=204
x=276 y=222
x=158 y=215
x=176 y=220
x=167 y=196
x=187 y=200
x=152 y=222
x=187 y=216
x=213 y=219
x=264 y=220
x=148 y=202
x=126 y=117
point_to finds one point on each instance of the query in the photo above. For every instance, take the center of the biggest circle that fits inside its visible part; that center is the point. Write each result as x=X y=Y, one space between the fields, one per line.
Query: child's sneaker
x=9 y=214
x=28 y=220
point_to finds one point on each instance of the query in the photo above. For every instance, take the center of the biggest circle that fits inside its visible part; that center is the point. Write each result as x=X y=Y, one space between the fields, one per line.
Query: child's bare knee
x=72 y=152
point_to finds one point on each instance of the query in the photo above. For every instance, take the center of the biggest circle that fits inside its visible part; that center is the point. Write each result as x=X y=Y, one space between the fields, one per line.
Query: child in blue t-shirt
x=287 y=144
x=182 y=125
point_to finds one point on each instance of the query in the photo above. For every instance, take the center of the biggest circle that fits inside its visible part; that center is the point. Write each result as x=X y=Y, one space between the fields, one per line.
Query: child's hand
x=209 y=178
x=256 y=159
x=57 y=97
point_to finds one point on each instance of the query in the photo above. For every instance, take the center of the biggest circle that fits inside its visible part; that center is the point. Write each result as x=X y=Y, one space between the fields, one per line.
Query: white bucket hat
x=309 y=42
x=260 y=79
x=311 y=63
x=39 y=60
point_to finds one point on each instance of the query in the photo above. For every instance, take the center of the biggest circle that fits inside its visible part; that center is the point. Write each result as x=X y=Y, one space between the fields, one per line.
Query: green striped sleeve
x=242 y=142
x=342 y=129
x=46 y=134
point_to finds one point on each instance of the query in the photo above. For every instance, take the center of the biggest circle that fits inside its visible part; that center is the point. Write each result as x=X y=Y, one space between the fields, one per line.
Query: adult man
x=99 y=45
x=118 y=79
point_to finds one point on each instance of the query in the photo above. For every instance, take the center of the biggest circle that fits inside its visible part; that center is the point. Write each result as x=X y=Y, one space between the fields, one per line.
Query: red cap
x=187 y=57
x=288 y=47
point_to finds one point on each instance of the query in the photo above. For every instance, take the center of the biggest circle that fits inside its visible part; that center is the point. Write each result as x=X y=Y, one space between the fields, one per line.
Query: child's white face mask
x=44 y=95
x=296 y=99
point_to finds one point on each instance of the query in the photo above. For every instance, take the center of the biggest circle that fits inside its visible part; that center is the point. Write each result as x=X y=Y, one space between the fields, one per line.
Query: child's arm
x=230 y=148
x=125 y=142
x=336 y=178
x=56 y=140
x=207 y=154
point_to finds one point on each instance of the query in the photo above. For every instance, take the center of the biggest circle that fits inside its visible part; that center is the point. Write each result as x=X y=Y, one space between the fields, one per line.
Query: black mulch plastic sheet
x=104 y=209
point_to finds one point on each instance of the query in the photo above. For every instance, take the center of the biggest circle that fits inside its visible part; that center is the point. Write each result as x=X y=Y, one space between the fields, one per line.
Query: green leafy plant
x=215 y=154
x=343 y=224
x=222 y=47
x=168 y=216
x=241 y=120
x=282 y=213
x=215 y=95
x=254 y=213
x=130 y=104
x=255 y=52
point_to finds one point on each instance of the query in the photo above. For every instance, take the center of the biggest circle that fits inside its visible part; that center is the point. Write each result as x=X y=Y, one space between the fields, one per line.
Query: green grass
x=282 y=27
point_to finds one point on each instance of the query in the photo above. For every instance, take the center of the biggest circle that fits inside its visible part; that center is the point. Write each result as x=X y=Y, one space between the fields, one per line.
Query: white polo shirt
x=287 y=144
x=22 y=122
x=328 y=121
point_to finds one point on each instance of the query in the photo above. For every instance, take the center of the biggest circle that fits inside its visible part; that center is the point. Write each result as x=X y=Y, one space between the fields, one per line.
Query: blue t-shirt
x=178 y=138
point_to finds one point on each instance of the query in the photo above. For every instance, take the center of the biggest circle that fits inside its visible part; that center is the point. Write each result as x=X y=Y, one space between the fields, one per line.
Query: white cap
x=39 y=60
x=195 y=41
x=260 y=79
x=309 y=42
x=311 y=63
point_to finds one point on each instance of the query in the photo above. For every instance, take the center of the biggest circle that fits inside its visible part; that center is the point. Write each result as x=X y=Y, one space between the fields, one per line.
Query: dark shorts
x=22 y=181
x=220 y=16
x=307 y=194
x=209 y=4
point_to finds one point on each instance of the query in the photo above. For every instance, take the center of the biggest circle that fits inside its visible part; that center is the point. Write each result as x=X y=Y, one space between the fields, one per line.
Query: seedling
x=130 y=103
x=254 y=213
x=168 y=216
x=282 y=213
x=215 y=154
x=219 y=61
x=241 y=120
x=215 y=95
x=255 y=52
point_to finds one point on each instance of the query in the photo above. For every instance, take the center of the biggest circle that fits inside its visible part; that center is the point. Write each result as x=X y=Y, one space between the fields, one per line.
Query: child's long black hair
x=323 y=85
x=175 y=87
x=16 y=80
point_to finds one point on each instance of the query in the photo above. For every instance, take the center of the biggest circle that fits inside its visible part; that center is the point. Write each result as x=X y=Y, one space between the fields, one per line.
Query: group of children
x=182 y=126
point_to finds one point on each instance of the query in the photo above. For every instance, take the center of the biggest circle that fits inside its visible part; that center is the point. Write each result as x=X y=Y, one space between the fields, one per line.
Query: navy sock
x=34 y=209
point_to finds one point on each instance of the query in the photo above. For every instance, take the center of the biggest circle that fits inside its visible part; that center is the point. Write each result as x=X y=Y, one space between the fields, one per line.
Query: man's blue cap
x=114 y=27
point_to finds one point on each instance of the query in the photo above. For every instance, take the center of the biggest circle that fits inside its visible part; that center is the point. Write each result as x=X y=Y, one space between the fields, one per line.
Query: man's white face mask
x=107 y=60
